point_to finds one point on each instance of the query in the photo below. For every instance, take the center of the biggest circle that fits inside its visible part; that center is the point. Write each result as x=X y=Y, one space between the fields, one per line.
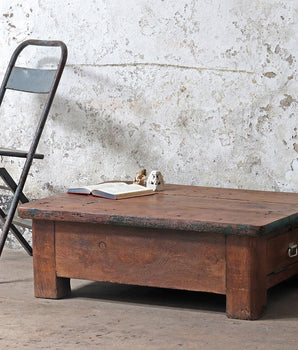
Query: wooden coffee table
x=233 y=242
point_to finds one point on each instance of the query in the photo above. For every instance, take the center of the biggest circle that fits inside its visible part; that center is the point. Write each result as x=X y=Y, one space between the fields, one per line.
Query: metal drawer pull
x=292 y=250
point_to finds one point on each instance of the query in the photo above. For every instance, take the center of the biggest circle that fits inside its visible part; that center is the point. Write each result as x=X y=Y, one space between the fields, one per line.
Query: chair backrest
x=33 y=80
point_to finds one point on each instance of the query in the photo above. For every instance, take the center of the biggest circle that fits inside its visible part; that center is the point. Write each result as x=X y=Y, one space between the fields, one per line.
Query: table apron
x=141 y=256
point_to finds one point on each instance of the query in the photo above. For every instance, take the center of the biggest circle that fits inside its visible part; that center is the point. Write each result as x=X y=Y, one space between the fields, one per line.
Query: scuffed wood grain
x=246 y=277
x=225 y=241
x=46 y=282
x=178 y=207
x=141 y=256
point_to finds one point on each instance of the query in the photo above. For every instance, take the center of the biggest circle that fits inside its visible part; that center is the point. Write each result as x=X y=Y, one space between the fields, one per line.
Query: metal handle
x=292 y=250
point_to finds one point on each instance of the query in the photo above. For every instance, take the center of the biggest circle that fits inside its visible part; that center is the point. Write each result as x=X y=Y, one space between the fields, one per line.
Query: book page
x=118 y=187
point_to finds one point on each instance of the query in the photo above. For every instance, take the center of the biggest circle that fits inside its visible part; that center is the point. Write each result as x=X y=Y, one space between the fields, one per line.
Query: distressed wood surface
x=225 y=241
x=277 y=251
x=141 y=256
x=179 y=207
x=246 y=289
x=281 y=275
x=46 y=282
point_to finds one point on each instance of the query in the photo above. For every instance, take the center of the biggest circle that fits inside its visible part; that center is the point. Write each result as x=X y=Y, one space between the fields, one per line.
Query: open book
x=113 y=190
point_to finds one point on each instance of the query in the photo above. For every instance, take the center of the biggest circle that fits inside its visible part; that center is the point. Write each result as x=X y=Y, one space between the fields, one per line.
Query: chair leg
x=17 y=234
x=11 y=184
x=7 y=219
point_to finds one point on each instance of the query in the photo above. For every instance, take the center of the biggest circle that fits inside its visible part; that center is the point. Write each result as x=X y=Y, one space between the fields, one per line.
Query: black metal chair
x=41 y=81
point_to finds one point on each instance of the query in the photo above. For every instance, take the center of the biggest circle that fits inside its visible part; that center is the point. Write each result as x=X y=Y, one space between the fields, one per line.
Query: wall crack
x=162 y=65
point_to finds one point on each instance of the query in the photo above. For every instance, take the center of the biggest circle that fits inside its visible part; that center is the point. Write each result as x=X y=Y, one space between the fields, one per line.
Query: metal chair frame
x=41 y=81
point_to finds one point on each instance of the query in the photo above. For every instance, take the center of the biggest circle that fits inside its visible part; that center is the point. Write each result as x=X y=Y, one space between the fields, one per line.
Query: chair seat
x=17 y=153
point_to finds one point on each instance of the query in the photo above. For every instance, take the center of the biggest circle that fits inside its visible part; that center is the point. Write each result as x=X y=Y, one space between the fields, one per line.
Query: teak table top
x=179 y=207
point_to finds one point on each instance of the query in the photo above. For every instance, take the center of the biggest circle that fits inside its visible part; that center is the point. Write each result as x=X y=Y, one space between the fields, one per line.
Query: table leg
x=46 y=282
x=246 y=289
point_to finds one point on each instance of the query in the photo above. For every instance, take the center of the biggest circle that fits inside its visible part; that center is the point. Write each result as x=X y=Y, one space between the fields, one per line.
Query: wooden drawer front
x=277 y=251
x=165 y=258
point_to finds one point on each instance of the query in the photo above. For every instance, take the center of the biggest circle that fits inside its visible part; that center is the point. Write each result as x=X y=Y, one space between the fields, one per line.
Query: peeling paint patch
x=270 y=75
x=290 y=60
x=265 y=109
x=287 y=101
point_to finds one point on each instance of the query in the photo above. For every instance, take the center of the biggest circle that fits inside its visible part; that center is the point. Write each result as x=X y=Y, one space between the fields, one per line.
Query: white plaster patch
x=212 y=83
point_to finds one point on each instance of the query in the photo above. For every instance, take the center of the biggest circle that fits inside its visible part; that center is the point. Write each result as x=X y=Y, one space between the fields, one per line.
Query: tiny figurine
x=155 y=181
x=140 y=178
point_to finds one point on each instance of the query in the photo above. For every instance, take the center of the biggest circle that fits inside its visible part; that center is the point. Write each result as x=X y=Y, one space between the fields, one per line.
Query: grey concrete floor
x=110 y=316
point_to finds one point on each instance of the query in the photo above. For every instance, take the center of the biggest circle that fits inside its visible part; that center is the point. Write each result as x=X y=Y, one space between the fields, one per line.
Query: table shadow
x=282 y=298
x=172 y=298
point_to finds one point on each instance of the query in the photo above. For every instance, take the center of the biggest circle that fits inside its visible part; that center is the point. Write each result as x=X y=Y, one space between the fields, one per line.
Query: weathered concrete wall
x=205 y=91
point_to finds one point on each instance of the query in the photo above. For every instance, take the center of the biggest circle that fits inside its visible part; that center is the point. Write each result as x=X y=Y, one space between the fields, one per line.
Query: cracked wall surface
x=204 y=91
